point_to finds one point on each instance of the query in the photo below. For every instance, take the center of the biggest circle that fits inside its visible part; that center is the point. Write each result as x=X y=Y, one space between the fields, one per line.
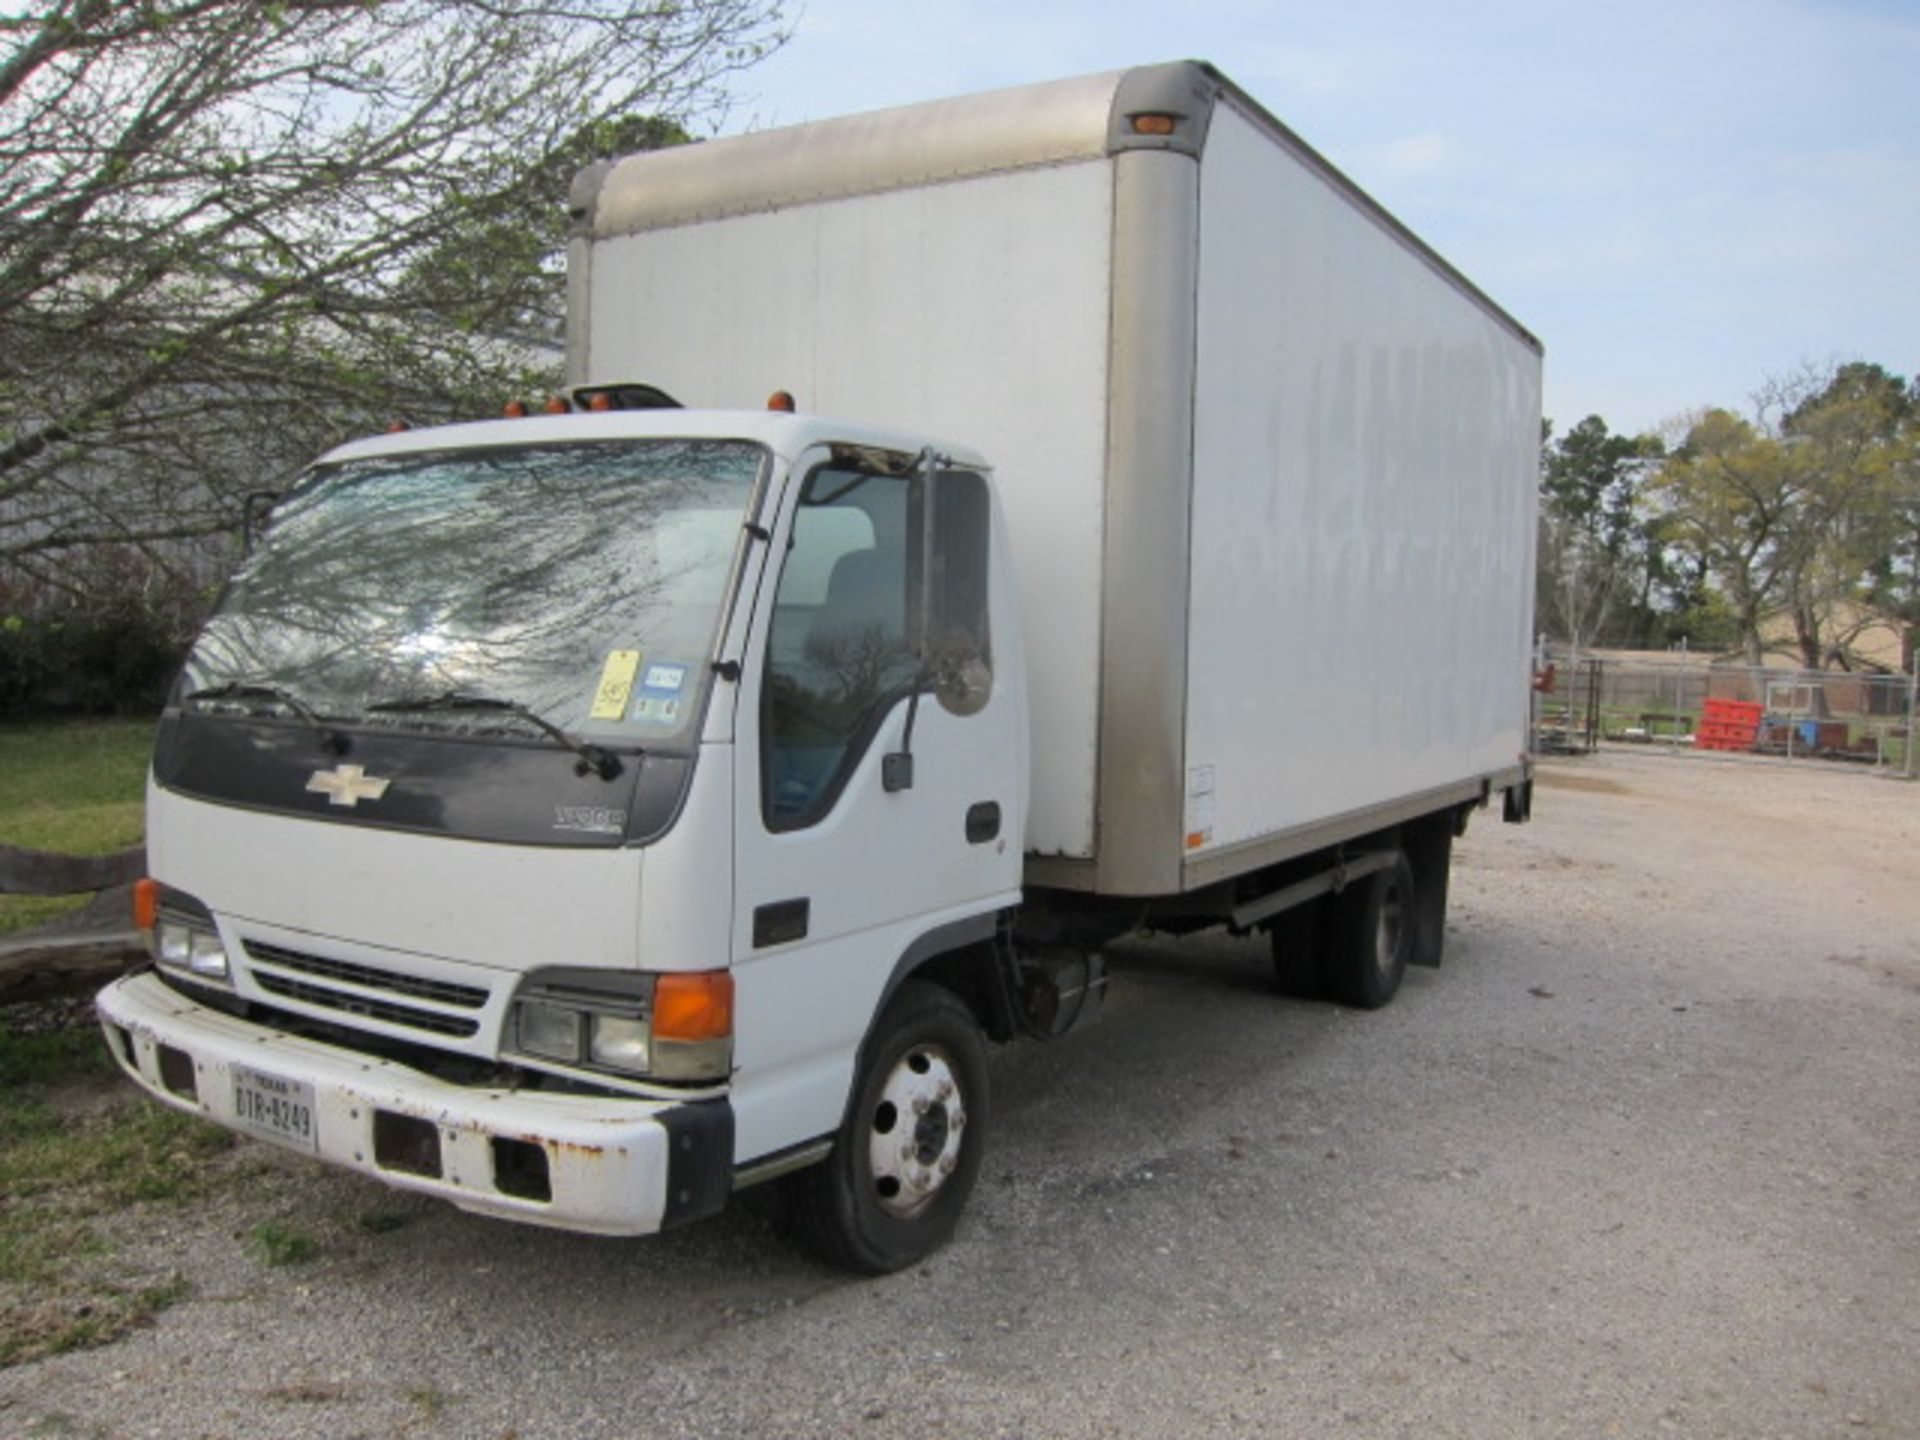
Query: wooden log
x=37 y=968
x=41 y=872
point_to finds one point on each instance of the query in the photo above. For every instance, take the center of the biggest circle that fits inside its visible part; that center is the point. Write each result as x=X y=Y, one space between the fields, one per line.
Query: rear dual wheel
x=1352 y=947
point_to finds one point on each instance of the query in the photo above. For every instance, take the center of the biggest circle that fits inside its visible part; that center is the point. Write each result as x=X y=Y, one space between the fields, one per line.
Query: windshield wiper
x=331 y=740
x=603 y=763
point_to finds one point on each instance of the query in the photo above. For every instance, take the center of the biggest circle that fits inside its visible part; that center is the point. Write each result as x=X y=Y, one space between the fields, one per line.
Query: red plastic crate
x=1728 y=724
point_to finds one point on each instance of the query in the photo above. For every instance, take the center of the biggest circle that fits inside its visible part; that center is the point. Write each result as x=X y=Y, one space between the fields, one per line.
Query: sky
x=1684 y=199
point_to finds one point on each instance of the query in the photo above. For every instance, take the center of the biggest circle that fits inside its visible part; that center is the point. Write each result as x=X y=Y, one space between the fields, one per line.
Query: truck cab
x=553 y=807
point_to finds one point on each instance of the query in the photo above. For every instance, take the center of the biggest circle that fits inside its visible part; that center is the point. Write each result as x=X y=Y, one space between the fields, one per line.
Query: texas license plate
x=275 y=1107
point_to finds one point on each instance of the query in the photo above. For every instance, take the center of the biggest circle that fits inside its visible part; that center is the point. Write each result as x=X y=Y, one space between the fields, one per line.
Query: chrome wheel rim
x=915 y=1131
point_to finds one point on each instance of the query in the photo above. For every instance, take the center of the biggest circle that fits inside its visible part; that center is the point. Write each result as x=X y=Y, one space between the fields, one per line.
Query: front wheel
x=908 y=1151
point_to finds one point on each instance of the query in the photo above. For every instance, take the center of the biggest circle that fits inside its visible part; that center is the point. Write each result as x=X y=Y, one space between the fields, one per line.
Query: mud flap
x=1429 y=850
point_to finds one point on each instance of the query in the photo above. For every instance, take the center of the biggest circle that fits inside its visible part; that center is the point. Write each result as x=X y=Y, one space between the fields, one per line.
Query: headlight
x=550 y=1030
x=190 y=949
x=676 y=1026
x=180 y=933
x=620 y=1043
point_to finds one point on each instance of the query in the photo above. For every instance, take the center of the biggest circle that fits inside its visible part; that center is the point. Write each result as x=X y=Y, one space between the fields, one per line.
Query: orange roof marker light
x=515 y=409
x=557 y=405
x=398 y=427
x=1155 y=123
x=782 y=401
x=601 y=401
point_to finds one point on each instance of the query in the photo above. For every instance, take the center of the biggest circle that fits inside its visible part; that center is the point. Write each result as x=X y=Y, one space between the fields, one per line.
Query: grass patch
x=382 y=1222
x=59 y=1321
x=77 y=1145
x=77 y=787
x=278 y=1244
x=49 y=1057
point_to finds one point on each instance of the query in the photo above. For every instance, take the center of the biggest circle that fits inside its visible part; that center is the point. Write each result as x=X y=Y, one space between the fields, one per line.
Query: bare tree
x=233 y=232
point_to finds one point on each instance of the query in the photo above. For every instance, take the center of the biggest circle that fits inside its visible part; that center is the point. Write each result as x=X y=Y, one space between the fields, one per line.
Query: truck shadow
x=1128 y=1103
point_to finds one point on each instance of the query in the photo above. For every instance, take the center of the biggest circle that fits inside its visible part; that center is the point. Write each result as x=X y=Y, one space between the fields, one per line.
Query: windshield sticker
x=616 y=684
x=665 y=677
x=660 y=694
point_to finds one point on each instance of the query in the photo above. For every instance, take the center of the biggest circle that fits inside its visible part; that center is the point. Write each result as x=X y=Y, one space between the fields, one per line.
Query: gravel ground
x=1642 y=1158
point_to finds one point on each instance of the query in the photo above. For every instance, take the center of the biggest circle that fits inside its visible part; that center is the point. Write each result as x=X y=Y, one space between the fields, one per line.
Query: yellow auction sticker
x=616 y=684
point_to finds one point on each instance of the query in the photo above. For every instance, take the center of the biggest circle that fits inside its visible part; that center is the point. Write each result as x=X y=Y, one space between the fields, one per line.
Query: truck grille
x=375 y=993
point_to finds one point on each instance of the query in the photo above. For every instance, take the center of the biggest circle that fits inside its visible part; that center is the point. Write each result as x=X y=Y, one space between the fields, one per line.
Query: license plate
x=275 y=1107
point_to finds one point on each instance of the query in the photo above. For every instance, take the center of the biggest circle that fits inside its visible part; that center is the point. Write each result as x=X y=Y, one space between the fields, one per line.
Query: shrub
x=110 y=645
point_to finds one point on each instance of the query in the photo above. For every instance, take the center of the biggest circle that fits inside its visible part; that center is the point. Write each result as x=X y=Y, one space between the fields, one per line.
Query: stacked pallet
x=1728 y=725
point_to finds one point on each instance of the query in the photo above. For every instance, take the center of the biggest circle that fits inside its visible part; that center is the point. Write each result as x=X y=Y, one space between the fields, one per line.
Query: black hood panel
x=467 y=788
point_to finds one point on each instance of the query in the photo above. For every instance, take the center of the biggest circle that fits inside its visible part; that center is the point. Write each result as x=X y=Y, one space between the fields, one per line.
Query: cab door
x=880 y=768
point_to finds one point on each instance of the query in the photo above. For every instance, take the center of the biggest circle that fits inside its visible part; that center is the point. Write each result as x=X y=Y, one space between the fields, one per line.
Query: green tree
x=1592 y=578
x=1733 y=498
x=232 y=232
x=1793 y=512
x=1865 y=424
x=1854 y=434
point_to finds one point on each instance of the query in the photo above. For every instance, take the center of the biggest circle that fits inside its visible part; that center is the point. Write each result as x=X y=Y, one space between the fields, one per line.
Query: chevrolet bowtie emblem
x=347 y=785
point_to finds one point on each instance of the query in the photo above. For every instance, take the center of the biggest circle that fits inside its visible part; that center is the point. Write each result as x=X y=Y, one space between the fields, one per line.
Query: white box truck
x=583 y=816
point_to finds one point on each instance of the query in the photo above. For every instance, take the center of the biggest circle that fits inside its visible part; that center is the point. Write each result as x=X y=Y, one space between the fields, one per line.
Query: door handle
x=983 y=822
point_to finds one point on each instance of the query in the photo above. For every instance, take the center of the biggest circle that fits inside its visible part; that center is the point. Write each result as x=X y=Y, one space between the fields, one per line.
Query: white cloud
x=1408 y=157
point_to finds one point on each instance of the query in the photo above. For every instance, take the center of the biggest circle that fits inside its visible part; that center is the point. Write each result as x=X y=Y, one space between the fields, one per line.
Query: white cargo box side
x=1247 y=568
x=1366 y=437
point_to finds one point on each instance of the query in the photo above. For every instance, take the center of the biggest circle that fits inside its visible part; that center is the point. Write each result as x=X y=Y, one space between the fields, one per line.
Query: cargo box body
x=1268 y=463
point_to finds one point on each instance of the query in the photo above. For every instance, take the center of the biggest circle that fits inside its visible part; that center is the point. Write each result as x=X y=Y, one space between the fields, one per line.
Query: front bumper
x=612 y=1166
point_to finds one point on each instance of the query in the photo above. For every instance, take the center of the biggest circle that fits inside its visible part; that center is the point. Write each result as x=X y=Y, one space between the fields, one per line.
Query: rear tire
x=909 y=1149
x=1374 y=924
x=1299 y=940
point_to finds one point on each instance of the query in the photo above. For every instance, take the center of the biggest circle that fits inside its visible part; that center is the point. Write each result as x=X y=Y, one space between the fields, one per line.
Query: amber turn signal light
x=696 y=1005
x=146 y=903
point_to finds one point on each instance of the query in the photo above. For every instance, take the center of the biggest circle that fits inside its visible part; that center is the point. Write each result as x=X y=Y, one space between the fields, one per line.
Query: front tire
x=909 y=1149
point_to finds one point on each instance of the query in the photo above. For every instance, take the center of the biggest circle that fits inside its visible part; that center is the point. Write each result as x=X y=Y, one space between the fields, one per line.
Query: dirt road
x=1642 y=1158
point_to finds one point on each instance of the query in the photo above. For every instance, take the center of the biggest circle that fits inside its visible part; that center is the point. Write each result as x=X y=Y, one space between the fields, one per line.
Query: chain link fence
x=1836 y=716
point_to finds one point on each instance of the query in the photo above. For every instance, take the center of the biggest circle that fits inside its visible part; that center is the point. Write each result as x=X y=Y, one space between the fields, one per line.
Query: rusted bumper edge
x=611 y=1166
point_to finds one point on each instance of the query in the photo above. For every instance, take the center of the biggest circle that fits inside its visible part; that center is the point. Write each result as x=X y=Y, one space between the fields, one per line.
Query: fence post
x=1913 y=705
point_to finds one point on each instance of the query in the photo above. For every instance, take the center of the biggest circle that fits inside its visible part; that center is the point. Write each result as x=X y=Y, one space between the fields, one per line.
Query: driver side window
x=839 y=650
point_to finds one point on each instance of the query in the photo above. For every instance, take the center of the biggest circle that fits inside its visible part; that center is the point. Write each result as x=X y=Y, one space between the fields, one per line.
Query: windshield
x=581 y=581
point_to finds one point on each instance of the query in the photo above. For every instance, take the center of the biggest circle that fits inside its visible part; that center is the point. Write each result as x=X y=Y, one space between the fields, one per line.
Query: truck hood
x=506 y=907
